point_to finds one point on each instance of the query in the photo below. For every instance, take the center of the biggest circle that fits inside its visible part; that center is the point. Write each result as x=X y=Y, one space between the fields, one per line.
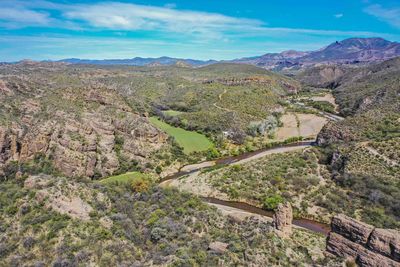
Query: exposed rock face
x=386 y=242
x=367 y=245
x=333 y=133
x=282 y=219
x=4 y=90
x=351 y=229
x=82 y=147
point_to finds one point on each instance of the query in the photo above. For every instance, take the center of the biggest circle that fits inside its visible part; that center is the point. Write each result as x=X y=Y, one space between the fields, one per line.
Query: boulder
x=351 y=229
x=282 y=219
x=218 y=247
x=37 y=181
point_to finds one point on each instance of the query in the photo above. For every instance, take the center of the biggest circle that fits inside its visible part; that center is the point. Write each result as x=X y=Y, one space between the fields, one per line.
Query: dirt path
x=272 y=151
x=375 y=152
x=239 y=214
x=220 y=99
x=198 y=184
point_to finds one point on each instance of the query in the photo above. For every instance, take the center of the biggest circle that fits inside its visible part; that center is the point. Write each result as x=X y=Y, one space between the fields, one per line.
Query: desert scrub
x=389 y=148
x=269 y=180
x=371 y=185
x=158 y=226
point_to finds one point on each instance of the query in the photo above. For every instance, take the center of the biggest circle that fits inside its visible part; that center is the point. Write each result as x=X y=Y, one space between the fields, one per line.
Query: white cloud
x=166 y=21
x=19 y=17
x=338 y=16
x=122 y=16
x=388 y=15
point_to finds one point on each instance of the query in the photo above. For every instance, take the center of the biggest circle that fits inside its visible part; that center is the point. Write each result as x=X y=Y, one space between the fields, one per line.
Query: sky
x=197 y=29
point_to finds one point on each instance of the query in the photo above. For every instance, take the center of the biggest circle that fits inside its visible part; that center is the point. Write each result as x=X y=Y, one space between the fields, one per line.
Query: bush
x=140 y=185
x=272 y=202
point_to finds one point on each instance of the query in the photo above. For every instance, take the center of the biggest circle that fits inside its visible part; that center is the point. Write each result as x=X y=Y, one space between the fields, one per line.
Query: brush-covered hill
x=56 y=221
x=93 y=121
x=363 y=150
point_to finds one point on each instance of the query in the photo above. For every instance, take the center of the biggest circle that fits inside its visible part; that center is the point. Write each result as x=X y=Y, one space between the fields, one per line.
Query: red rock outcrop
x=368 y=246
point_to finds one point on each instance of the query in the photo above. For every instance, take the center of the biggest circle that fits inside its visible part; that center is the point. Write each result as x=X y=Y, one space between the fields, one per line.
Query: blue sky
x=217 y=29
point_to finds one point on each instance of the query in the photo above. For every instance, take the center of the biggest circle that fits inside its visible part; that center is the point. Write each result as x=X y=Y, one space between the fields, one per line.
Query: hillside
x=94 y=121
x=362 y=149
x=57 y=221
x=63 y=127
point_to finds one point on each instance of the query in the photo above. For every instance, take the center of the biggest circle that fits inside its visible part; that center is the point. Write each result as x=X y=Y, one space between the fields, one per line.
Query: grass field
x=189 y=141
x=124 y=178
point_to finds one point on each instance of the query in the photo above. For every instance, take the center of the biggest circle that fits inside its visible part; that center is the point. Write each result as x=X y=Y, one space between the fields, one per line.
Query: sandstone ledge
x=367 y=245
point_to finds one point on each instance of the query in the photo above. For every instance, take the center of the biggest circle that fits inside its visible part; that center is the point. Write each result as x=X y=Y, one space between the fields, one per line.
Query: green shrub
x=272 y=202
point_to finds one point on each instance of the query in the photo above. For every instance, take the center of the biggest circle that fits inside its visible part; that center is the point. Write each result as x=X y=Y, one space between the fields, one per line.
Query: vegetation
x=268 y=181
x=189 y=141
x=371 y=187
x=125 y=178
x=322 y=105
x=157 y=226
x=93 y=122
x=172 y=112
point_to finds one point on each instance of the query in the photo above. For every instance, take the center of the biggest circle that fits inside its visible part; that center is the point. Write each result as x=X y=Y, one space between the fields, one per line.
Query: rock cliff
x=89 y=131
x=367 y=245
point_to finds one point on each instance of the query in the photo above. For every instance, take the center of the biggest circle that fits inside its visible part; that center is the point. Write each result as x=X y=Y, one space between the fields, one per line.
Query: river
x=189 y=169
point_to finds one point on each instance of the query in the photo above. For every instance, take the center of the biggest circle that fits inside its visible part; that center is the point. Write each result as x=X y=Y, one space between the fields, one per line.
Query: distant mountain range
x=348 y=51
x=139 y=61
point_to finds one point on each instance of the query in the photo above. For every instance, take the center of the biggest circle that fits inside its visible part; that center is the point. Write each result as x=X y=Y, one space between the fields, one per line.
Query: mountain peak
x=363 y=43
x=348 y=51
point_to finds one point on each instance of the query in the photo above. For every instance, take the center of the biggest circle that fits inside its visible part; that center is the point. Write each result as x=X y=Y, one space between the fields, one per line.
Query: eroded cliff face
x=85 y=147
x=85 y=132
x=367 y=245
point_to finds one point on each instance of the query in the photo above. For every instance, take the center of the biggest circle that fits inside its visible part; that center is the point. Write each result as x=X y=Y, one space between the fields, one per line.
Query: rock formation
x=94 y=141
x=367 y=245
x=282 y=219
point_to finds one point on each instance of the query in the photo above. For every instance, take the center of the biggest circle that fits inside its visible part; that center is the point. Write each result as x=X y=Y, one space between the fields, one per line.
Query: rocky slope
x=360 y=150
x=55 y=221
x=84 y=129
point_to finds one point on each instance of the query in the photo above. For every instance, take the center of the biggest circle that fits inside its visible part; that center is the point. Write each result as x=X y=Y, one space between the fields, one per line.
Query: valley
x=175 y=165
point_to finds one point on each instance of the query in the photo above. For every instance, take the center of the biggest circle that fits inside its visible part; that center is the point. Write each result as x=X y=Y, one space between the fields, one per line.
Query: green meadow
x=189 y=141
x=124 y=178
